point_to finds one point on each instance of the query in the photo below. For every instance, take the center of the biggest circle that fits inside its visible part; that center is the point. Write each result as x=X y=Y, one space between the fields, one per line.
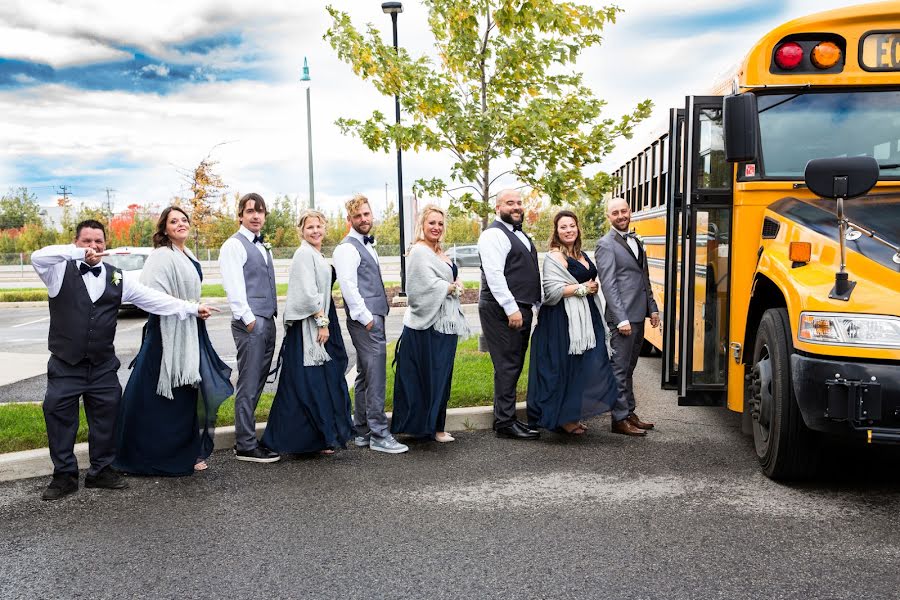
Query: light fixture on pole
x=305 y=78
x=394 y=9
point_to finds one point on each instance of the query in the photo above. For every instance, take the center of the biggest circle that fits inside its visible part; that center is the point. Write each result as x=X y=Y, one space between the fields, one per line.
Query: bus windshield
x=795 y=128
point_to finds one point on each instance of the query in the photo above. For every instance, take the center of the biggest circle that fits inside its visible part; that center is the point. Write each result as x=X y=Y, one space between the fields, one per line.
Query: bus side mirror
x=841 y=177
x=741 y=128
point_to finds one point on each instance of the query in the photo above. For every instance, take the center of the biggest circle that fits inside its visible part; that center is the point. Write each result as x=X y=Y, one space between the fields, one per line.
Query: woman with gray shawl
x=311 y=410
x=168 y=410
x=570 y=378
x=432 y=325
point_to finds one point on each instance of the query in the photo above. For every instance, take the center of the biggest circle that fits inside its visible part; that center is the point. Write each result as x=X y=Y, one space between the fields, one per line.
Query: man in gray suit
x=625 y=282
x=356 y=266
x=248 y=276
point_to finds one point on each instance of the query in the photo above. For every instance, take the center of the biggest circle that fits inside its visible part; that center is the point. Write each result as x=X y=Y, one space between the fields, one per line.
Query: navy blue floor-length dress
x=311 y=410
x=564 y=388
x=424 y=372
x=162 y=436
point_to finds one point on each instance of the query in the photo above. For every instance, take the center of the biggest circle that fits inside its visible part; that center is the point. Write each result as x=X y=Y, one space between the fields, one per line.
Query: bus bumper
x=852 y=399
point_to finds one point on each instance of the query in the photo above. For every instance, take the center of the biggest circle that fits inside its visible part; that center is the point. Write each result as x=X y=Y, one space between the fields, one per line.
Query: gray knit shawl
x=309 y=291
x=171 y=271
x=581 y=329
x=427 y=280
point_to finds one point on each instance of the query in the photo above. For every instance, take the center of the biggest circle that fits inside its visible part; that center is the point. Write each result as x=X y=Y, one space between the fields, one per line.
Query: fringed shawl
x=172 y=271
x=309 y=291
x=427 y=281
x=581 y=329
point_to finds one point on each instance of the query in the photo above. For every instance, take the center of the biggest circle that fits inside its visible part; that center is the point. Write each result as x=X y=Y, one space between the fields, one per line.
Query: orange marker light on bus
x=825 y=55
x=788 y=56
x=800 y=252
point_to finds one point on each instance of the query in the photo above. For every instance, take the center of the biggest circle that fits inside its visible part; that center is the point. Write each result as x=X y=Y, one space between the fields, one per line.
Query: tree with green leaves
x=503 y=97
x=18 y=208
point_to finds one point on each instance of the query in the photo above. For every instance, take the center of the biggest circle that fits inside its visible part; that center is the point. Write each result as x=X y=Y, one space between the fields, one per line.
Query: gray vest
x=81 y=329
x=368 y=279
x=259 y=279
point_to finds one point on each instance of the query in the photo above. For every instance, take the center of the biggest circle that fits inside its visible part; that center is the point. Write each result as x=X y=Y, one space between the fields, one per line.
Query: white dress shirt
x=633 y=246
x=232 y=258
x=346 y=261
x=494 y=246
x=50 y=264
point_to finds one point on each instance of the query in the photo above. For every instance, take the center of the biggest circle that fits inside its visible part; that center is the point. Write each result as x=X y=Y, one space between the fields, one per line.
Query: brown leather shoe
x=626 y=428
x=634 y=420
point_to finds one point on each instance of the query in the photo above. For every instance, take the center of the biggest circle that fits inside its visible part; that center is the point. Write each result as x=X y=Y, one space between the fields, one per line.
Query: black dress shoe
x=60 y=486
x=260 y=454
x=106 y=479
x=531 y=428
x=517 y=431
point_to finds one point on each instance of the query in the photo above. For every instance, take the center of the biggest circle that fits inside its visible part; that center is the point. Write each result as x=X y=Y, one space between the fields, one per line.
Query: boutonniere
x=267 y=246
x=116 y=278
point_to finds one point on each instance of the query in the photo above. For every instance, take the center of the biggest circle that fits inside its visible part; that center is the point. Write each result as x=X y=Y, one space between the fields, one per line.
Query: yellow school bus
x=779 y=302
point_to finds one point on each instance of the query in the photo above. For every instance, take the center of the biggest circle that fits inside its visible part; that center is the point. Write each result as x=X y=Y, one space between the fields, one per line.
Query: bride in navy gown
x=167 y=414
x=570 y=378
x=311 y=410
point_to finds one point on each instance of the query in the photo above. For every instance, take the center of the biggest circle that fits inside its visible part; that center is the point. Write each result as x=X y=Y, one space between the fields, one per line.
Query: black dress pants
x=507 y=348
x=99 y=386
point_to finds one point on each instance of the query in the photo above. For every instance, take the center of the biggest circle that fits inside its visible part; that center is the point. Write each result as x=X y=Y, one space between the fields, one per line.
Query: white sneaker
x=361 y=441
x=387 y=444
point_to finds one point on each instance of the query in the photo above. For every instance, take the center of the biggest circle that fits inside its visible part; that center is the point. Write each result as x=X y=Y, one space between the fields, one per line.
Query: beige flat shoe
x=201 y=465
x=444 y=437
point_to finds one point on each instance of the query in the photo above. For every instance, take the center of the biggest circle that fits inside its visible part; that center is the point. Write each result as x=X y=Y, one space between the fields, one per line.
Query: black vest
x=521 y=270
x=81 y=329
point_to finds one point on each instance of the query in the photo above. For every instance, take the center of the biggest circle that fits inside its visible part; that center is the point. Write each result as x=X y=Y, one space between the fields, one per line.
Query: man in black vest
x=510 y=289
x=85 y=296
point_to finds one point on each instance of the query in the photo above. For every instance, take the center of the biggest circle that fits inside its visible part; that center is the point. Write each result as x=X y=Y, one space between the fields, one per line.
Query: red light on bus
x=788 y=56
x=825 y=55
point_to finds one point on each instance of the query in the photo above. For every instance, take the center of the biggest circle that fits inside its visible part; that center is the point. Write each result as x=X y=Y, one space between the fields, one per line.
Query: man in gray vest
x=356 y=265
x=84 y=299
x=510 y=289
x=625 y=282
x=248 y=276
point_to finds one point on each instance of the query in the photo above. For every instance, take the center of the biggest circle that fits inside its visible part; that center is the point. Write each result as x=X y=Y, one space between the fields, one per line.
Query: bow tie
x=517 y=227
x=259 y=239
x=632 y=235
x=368 y=239
x=85 y=268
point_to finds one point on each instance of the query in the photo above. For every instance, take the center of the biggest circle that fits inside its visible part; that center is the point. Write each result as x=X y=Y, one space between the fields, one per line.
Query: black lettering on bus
x=881 y=52
x=895 y=52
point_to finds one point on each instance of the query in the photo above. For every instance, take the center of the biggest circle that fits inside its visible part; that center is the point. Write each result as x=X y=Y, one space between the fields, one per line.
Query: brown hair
x=354 y=203
x=309 y=213
x=159 y=236
x=557 y=244
x=260 y=204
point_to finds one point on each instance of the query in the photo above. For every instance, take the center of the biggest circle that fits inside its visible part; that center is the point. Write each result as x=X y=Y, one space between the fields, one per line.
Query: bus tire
x=784 y=446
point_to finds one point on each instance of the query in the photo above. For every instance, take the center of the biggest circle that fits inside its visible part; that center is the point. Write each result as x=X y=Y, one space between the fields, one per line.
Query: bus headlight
x=849 y=329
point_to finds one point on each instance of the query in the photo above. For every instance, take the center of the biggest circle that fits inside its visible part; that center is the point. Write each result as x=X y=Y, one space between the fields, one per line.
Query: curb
x=36 y=463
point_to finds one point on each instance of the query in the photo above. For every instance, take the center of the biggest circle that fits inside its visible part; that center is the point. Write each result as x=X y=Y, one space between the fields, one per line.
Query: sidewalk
x=17 y=366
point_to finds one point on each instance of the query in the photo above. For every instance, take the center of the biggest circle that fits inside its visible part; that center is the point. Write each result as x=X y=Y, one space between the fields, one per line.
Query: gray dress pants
x=627 y=349
x=254 y=360
x=371 y=373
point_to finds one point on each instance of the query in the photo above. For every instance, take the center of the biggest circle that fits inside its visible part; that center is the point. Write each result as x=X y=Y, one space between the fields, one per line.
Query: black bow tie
x=368 y=239
x=631 y=235
x=84 y=268
x=517 y=227
x=259 y=239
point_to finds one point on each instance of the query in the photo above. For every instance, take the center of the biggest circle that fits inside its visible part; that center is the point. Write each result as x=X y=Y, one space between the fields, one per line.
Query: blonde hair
x=354 y=203
x=420 y=223
x=306 y=214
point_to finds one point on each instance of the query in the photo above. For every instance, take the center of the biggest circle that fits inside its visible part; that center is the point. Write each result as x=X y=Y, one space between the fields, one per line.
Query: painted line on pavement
x=30 y=322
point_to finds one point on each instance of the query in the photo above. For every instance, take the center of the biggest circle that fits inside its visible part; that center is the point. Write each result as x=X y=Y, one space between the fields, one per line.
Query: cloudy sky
x=124 y=95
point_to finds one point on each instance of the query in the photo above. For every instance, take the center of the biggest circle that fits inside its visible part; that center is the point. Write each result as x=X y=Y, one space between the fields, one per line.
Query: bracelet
x=581 y=291
x=322 y=321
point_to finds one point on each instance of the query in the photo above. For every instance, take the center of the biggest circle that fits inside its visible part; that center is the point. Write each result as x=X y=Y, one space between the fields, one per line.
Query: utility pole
x=109 y=202
x=64 y=191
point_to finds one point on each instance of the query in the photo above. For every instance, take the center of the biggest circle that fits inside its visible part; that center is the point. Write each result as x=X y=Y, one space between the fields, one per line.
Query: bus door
x=672 y=285
x=701 y=358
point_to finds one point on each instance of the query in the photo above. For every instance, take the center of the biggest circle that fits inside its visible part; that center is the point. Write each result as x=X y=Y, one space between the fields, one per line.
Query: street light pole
x=394 y=9
x=305 y=77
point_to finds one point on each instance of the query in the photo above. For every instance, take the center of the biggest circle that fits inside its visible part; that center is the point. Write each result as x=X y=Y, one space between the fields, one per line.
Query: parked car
x=465 y=256
x=130 y=259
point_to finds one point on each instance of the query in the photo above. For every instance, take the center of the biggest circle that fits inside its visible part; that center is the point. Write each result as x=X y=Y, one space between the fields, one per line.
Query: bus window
x=713 y=171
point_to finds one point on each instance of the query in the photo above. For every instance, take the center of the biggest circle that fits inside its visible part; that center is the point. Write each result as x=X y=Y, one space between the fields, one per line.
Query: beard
x=623 y=229
x=508 y=218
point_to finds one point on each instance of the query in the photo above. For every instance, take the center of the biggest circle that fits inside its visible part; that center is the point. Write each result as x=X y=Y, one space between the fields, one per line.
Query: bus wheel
x=784 y=446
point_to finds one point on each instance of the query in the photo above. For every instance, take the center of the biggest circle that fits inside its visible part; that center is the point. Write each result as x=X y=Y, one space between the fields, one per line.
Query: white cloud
x=158 y=70
x=52 y=49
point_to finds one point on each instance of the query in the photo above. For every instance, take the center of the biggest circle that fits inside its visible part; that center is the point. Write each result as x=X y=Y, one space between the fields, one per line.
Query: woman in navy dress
x=570 y=377
x=311 y=410
x=167 y=415
x=432 y=324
